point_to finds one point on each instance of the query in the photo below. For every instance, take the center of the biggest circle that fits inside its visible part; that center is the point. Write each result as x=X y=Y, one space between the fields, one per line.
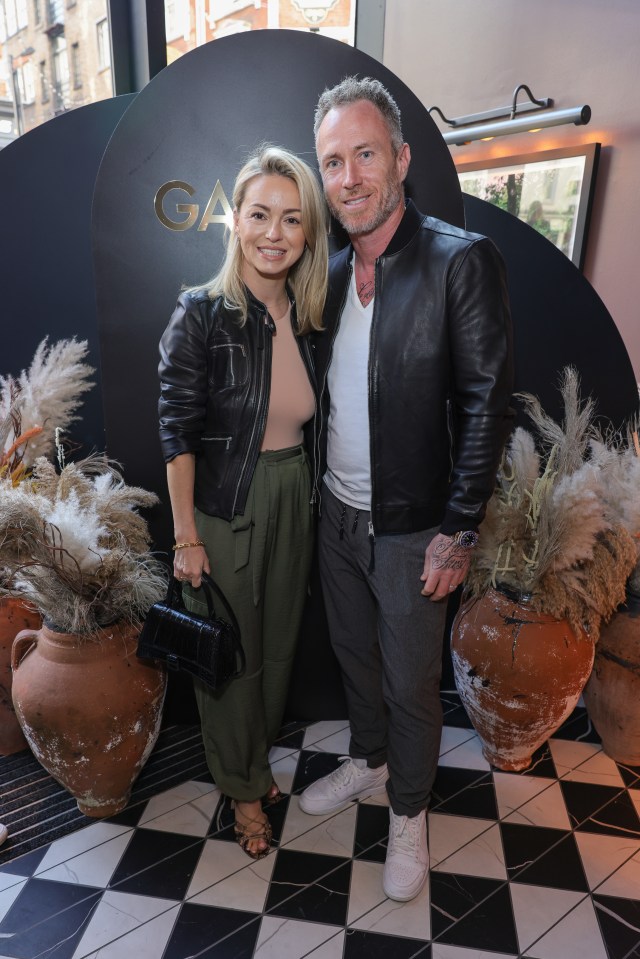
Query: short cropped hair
x=351 y=90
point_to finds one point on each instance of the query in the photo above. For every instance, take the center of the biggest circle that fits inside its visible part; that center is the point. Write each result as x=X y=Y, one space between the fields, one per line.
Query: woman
x=237 y=388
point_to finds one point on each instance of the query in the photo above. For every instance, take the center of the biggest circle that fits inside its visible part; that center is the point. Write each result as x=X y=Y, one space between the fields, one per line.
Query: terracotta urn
x=14 y=616
x=519 y=674
x=612 y=695
x=89 y=709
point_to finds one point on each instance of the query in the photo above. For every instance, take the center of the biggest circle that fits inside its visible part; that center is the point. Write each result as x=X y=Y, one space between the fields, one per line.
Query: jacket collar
x=407 y=228
x=260 y=305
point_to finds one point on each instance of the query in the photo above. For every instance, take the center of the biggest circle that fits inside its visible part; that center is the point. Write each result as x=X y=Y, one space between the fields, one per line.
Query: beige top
x=291 y=402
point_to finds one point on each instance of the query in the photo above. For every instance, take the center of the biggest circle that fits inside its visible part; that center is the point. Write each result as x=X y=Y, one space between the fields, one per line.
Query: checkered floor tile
x=543 y=864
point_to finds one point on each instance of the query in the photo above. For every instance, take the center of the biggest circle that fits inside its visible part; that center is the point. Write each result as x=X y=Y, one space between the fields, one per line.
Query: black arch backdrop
x=559 y=320
x=46 y=273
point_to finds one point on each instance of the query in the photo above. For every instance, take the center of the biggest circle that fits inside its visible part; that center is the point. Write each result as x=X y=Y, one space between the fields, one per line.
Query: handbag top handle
x=209 y=586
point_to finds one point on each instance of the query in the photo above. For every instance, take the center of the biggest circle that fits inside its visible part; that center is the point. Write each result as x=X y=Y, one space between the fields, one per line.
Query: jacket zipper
x=218 y=439
x=316 y=496
x=231 y=346
x=377 y=287
x=304 y=346
x=264 y=345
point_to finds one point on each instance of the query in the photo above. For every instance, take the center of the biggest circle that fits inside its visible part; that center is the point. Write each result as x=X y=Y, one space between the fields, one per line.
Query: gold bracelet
x=186 y=545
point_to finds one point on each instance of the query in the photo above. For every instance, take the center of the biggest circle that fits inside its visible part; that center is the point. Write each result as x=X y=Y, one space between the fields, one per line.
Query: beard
x=391 y=195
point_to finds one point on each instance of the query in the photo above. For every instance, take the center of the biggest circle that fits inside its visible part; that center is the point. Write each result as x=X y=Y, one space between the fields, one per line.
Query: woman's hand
x=189 y=563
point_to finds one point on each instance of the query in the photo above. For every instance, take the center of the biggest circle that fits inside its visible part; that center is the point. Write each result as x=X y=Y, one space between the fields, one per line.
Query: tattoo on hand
x=448 y=556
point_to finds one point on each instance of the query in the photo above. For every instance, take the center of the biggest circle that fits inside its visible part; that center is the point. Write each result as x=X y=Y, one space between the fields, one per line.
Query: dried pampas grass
x=43 y=398
x=74 y=545
x=558 y=529
x=620 y=461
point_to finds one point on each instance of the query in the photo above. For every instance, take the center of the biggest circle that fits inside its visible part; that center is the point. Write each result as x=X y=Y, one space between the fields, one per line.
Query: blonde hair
x=308 y=277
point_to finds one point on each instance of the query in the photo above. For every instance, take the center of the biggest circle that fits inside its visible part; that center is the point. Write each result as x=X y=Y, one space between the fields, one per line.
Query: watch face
x=467 y=538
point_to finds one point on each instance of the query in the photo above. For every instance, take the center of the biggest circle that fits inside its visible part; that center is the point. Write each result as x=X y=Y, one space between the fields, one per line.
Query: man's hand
x=445 y=566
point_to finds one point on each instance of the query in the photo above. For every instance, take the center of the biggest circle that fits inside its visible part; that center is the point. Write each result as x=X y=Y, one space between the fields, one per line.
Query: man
x=415 y=374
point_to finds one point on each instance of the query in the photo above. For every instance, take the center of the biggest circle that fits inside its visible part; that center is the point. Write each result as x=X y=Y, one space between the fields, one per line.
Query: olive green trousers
x=261 y=561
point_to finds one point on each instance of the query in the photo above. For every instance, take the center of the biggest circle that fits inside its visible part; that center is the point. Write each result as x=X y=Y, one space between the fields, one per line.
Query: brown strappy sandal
x=245 y=836
x=273 y=794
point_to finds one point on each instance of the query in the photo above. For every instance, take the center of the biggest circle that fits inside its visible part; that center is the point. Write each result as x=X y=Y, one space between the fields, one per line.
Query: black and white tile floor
x=544 y=864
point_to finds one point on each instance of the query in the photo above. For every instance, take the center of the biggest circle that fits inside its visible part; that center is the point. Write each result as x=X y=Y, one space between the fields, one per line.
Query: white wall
x=469 y=55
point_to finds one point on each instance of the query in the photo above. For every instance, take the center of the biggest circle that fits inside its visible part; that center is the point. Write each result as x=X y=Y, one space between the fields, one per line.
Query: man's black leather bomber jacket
x=215 y=384
x=440 y=374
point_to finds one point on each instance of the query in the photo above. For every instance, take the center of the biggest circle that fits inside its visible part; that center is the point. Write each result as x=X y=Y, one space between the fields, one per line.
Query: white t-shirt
x=348 y=473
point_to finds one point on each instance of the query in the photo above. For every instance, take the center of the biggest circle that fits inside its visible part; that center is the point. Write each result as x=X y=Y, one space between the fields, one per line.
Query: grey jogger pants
x=388 y=640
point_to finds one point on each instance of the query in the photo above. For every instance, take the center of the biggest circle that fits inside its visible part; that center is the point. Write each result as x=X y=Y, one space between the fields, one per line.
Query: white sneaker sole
x=405 y=896
x=311 y=807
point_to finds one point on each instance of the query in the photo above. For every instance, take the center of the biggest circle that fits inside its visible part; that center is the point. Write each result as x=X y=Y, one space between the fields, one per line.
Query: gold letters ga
x=192 y=209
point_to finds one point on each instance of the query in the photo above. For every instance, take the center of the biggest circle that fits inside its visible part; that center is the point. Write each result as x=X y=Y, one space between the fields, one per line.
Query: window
x=212 y=19
x=76 y=71
x=24 y=80
x=21 y=14
x=104 y=45
x=11 y=19
x=60 y=74
x=55 y=12
x=44 y=82
x=68 y=67
x=177 y=19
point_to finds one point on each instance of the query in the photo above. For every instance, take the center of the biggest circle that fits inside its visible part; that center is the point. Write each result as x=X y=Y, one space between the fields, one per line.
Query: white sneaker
x=352 y=780
x=407 y=864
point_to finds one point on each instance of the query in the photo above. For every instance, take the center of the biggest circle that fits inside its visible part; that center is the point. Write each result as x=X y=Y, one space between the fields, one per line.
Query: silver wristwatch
x=467 y=538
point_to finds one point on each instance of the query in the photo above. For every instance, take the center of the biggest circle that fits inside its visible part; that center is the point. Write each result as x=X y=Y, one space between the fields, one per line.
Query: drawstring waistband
x=342 y=519
x=354 y=526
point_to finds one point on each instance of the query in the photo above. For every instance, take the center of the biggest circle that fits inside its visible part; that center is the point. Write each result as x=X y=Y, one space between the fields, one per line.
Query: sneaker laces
x=343 y=775
x=406 y=835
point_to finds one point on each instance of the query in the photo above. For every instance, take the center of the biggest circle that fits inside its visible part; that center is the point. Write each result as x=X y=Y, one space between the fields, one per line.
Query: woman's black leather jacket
x=215 y=384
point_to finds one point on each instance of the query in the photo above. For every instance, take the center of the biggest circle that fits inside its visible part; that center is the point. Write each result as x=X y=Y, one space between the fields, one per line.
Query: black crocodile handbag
x=207 y=647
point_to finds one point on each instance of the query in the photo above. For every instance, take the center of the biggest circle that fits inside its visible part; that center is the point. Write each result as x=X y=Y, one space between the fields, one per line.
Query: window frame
x=25 y=83
x=139 y=42
x=76 y=66
x=103 y=40
x=45 y=82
